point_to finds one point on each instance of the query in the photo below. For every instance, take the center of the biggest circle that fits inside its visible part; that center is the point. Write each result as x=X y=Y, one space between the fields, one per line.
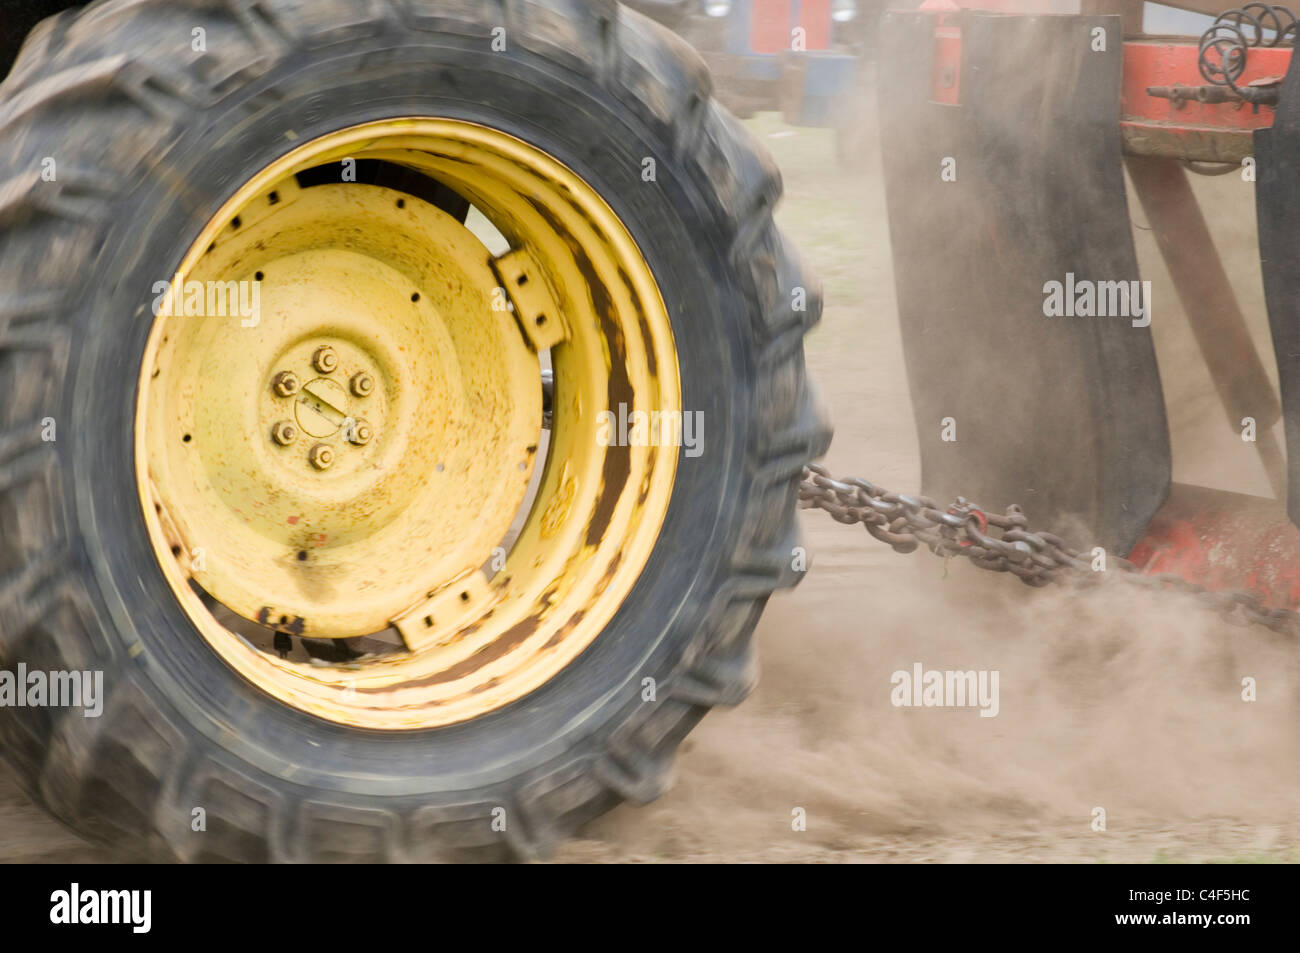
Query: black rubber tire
x=149 y=140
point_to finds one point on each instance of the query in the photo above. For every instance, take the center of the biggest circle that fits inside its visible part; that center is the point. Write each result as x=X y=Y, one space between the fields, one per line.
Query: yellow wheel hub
x=340 y=420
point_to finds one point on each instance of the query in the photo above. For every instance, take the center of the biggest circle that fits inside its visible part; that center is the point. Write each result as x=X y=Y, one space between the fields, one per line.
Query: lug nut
x=321 y=456
x=363 y=385
x=325 y=360
x=361 y=434
x=285 y=383
x=284 y=433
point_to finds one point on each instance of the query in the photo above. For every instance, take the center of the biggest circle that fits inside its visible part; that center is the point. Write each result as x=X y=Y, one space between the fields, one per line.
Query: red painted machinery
x=1010 y=135
x=797 y=56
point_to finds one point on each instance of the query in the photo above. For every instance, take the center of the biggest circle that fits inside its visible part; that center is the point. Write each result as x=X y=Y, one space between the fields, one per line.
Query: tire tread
x=139 y=751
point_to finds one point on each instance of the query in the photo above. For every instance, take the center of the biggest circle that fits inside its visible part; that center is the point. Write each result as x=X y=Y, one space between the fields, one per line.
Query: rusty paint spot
x=564 y=631
x=611 y=569
x=617 y=467
x=504 y=643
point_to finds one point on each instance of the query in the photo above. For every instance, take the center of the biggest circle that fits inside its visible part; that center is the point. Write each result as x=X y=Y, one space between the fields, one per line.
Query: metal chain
x=1003 y=543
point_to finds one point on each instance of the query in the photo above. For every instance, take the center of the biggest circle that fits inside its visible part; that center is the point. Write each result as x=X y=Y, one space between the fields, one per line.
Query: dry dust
x=1126 y=701
x=1129 y=702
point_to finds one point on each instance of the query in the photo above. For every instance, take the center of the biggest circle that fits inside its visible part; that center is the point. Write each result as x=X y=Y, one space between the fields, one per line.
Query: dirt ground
x=1130 y=703
x=1127 y=702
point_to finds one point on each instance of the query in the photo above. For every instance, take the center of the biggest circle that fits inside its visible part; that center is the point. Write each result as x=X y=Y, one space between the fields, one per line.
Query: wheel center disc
x=322 y=409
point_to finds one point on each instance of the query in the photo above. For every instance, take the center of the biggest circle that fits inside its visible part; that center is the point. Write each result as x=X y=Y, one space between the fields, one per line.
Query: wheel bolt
x=285 y=383
x=321 y=456
x=361 y=434
x=284 y=433
x=325 y=360
x=363 y=385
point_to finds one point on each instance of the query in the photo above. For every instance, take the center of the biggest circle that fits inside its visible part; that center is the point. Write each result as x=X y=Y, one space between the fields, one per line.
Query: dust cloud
x=1110 y=698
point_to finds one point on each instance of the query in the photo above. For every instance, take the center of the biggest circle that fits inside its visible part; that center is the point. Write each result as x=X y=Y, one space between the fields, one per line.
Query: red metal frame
x=1176 y=129
x=772 y=20
x=1155 y=125
x=1163 y=62
x=1224 y=540
x=769 y=25
x=945 y=73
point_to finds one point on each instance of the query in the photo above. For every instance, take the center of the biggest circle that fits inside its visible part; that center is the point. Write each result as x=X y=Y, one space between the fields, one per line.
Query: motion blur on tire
x=403 y=418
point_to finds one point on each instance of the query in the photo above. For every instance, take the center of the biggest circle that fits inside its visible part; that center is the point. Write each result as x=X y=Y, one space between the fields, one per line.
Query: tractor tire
x=150 y=137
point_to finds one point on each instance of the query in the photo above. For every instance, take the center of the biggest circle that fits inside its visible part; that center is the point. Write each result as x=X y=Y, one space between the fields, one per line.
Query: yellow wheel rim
x=339 y=424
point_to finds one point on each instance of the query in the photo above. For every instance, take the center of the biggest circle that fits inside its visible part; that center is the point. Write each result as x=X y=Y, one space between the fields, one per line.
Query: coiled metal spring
x=1224 y=46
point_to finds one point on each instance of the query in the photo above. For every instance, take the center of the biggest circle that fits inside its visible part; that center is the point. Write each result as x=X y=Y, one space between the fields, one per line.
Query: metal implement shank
x=1032 y=396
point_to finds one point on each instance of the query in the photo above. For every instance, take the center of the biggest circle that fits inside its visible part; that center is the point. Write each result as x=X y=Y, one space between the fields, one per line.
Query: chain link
x=1004 y=543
